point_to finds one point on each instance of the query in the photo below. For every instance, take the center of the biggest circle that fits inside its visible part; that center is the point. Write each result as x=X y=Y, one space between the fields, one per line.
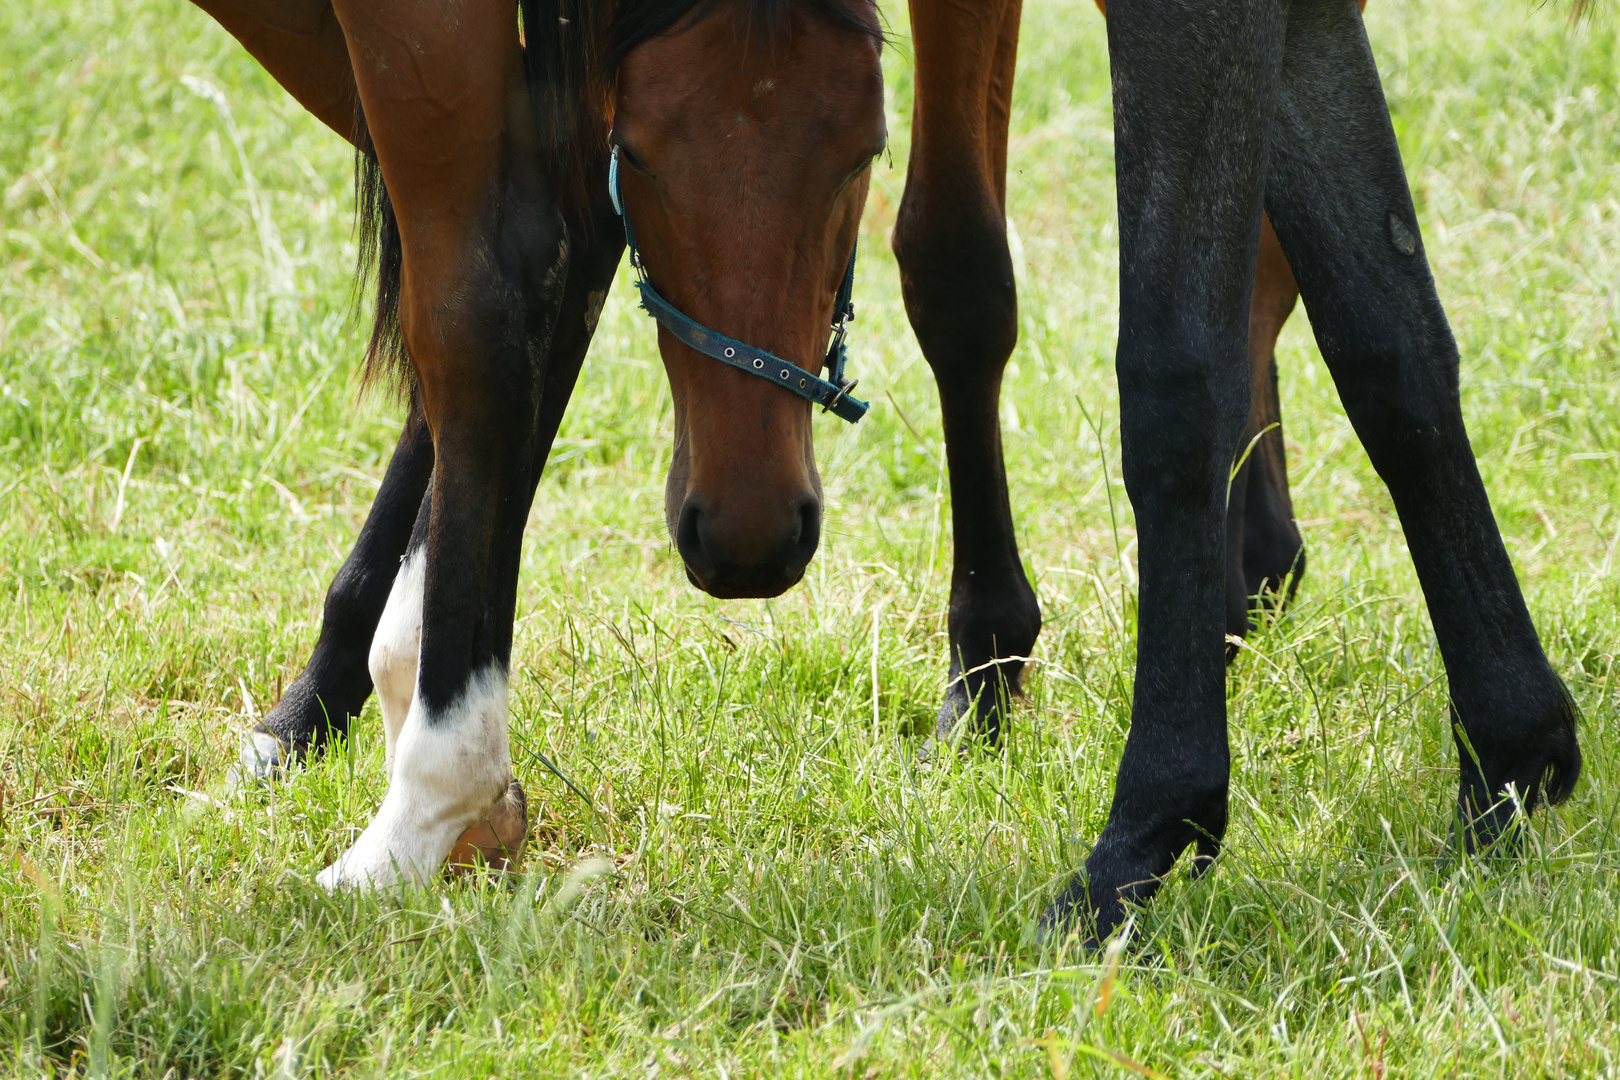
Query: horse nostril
x=689 y=542
x=804 y=548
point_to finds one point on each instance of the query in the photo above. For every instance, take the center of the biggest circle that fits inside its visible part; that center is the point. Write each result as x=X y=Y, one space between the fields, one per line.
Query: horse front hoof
x=260 y=758
x=1071 y=914
x=495 y=843
x=971 y=720
x=936 y=750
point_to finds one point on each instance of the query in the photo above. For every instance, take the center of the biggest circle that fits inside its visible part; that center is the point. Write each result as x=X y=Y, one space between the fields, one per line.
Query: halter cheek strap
x=833 y=396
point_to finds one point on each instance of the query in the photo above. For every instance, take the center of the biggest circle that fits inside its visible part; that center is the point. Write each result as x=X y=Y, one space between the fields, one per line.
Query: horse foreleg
x=1337 y=193
x=1193 y=89
x=957 y=278
x=334 y=685
x=447 y=109
x=1265 y=556
x=497 y=310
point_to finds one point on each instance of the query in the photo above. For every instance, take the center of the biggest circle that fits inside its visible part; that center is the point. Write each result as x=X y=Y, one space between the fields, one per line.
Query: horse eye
x=859 y=169
x=872 y=159
x=631 y=160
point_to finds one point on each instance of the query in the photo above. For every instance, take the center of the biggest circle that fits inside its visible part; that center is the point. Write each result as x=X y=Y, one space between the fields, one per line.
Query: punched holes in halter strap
x=834 y=395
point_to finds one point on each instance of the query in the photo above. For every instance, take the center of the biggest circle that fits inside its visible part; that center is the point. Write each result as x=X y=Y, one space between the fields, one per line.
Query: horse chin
x=758 y=585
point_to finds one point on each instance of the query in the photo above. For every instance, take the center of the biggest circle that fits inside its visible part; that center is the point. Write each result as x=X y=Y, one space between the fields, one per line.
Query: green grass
x=761 y=883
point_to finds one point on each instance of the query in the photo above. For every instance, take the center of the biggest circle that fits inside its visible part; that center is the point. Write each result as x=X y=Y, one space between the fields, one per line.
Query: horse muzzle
x=759 y=554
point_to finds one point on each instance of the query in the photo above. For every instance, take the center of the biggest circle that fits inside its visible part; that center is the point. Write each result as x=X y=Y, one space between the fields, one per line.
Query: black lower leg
x=335 y=683
x=994 y=617
x=958 y=284
x=1337 y=194
x=502 y=437
x=1189 y=211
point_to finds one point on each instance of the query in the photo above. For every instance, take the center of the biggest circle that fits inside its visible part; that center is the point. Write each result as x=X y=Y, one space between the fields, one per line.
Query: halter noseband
x=832 y=396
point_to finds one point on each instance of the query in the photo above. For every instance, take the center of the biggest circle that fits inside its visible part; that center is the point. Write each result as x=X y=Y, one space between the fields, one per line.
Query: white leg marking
x=448 y=772
x=395 y=649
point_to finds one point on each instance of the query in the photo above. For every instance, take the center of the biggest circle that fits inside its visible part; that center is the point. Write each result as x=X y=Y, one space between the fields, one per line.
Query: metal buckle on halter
x=834 y=363
x=835 y=348
x=844 y=387
x=845 y=317
x=840 y=328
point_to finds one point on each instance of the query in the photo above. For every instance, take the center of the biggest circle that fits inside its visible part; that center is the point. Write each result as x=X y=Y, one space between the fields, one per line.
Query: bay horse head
x=743 y=133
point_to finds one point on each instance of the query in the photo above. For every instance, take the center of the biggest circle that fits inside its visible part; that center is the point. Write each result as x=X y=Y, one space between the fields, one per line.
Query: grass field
x=753 y=879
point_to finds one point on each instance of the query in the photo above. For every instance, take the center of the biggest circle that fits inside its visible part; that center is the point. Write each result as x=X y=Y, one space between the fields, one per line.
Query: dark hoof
x=497 y=842
x=1070 y=914
x=1495 y=837
x=1131 y=871
x=298 y=728
x=973 y=717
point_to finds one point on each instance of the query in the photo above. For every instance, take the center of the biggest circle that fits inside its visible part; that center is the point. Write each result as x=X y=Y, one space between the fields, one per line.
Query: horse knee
x=477 y=310
x=956 y=276
x=1182 y=412
x=1401 y=396
x=460 y=316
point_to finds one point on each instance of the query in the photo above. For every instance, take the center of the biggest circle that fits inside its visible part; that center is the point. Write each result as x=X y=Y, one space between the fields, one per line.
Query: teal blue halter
x=832 y=396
